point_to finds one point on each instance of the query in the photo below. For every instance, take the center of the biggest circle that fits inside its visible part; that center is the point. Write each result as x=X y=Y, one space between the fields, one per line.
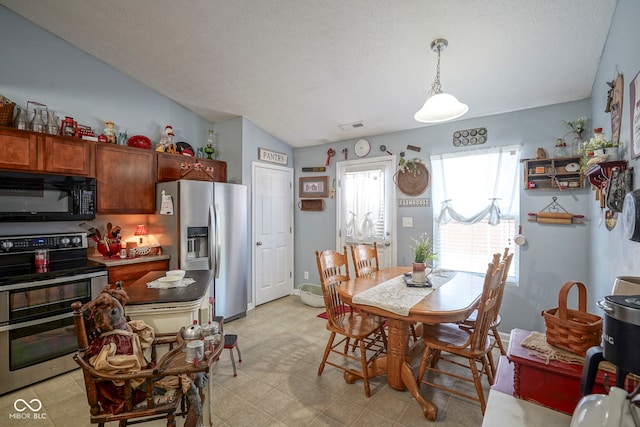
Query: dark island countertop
x=139 y=293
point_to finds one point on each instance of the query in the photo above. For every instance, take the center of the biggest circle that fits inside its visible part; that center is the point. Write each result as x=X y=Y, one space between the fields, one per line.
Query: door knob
x=258 y=243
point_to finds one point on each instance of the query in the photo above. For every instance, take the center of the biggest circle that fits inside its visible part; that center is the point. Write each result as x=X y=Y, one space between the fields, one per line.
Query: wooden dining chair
x=365 y=259
x=127 y=401
x=447 y=342
x=496 y=342
x=367 y=330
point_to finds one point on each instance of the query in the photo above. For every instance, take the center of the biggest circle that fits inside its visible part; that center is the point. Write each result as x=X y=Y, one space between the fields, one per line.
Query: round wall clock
x=362 y=148
x=631 y=215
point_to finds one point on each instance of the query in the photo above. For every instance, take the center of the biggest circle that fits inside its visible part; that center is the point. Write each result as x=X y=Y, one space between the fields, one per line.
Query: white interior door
x=272 y=200
x=366 y=208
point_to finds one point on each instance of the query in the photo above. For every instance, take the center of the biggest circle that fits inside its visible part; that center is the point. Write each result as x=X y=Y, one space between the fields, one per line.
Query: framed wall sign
x=634 y=110
x=272 y=156
x=315 y=186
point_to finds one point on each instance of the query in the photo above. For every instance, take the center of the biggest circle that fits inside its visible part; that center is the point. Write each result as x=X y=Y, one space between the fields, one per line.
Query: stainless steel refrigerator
x=207 y=230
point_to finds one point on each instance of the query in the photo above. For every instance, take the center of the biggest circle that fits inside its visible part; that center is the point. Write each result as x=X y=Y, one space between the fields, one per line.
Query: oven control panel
x=15 y=244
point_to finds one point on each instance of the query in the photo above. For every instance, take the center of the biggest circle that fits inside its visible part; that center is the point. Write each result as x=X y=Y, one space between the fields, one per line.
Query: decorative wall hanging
x=316 y=186
x=311 y=205
x=412 y=178
x=617 y=92
x=423 y=202
x=272 y=156
x=314 y=169
x=476 y=136
x=553 y=213
x=634 y=95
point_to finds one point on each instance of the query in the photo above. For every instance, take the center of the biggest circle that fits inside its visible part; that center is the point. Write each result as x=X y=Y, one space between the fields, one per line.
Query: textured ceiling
x=300 y=68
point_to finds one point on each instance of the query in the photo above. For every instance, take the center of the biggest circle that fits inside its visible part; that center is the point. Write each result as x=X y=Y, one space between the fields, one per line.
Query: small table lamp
x=141 y=230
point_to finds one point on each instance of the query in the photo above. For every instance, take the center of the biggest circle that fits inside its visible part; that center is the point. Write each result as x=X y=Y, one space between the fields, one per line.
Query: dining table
x=452 y=297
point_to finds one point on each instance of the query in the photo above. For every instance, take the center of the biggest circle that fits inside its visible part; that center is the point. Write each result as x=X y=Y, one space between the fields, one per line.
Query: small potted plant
x=422 y=251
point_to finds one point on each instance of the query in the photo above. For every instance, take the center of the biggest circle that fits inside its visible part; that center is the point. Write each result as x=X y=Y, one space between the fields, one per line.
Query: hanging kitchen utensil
x=383 y=148
x=619 y=185
x=554 y=213
x=330 y=153
x=610 y=219
x=519 y=239
x=345 y=152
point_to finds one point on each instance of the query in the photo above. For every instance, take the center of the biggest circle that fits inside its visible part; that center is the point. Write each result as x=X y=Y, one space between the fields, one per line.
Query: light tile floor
x=277 y=384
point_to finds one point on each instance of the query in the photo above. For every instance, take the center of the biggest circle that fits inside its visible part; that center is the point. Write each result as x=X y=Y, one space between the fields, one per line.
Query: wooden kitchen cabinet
x=18 y=150
x=67 y=156
x=172 y=167
x=125 y=179
x=129 y=273
x=539 y=174
x=27 y=151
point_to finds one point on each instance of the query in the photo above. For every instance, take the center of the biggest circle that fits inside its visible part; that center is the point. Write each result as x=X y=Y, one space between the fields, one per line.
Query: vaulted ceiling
x=300 y=69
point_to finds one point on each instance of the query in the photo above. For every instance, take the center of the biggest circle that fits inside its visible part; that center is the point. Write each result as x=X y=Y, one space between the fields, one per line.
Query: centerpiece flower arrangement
x=422 y=251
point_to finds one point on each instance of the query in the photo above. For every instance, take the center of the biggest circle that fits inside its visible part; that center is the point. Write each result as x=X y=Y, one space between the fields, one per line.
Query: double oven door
x=37 y=335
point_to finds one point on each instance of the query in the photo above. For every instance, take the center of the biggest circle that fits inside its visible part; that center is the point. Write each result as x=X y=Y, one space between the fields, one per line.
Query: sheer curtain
x=470 y=186
x=364 y=203
x=476 y=198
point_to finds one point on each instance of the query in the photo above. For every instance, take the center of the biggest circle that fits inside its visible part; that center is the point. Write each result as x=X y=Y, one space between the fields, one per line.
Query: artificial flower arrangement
x=578 y=125
x=598 y=141
x=423 y=248
x=410 y=165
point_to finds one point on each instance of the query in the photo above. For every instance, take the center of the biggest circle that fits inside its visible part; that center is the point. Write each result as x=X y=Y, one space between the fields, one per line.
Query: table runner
x=395 y=296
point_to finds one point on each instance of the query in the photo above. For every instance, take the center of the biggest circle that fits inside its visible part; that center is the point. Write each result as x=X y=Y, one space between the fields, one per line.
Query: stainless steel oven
x=37 y=335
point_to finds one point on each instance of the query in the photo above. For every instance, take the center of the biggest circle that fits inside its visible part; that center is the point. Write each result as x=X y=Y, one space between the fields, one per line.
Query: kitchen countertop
x=504 y=410
x=114 y=261
x=139 y=293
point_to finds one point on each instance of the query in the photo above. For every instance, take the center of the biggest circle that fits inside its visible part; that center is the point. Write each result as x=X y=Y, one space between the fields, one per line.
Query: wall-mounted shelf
x=560 y=173
x=600 y=173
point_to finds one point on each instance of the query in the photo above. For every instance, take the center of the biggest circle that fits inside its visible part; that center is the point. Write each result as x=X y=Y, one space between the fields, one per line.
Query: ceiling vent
x=351 y=126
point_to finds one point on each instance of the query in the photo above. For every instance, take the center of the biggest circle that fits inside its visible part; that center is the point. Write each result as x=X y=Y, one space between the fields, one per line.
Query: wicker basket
x=6 y=114
x=572 y=330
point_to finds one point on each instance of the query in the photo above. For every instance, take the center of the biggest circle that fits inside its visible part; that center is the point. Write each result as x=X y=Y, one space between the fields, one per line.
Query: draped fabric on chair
x=442 y=341
x=367 y=331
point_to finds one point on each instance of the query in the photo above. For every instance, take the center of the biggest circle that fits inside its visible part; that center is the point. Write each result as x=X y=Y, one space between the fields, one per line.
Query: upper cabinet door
x=67 y=156
x=18 y=150
x=126 y=179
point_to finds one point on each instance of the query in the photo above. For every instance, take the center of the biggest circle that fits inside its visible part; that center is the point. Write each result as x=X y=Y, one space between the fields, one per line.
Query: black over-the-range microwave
x=41 y=197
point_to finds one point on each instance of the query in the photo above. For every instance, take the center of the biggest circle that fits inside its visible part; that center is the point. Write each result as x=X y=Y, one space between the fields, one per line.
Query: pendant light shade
x=440 y=106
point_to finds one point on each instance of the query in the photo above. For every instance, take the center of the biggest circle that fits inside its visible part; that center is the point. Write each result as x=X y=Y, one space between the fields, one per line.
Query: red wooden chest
x=555 y=385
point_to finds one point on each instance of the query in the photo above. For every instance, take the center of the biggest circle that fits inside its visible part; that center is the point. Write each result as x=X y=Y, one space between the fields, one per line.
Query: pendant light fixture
x=440 y=106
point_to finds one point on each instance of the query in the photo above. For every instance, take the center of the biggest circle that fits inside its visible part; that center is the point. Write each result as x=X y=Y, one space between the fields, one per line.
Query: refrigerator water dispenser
x=197 y=238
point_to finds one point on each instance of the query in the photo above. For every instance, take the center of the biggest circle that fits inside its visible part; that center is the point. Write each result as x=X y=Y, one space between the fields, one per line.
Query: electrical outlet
x=306 y=275
x=407 y=221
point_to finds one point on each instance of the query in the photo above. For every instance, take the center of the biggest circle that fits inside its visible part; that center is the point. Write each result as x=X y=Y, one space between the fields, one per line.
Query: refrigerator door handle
x=217 y=242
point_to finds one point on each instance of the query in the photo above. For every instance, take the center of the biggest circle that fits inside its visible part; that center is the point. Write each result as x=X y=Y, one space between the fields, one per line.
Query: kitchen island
x=167 y=310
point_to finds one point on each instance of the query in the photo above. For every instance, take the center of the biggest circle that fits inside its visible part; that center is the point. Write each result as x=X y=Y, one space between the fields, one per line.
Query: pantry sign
x=273 y=156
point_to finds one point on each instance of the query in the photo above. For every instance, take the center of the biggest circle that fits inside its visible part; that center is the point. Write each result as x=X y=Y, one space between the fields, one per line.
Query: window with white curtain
x=476 y=200
x=364 y=195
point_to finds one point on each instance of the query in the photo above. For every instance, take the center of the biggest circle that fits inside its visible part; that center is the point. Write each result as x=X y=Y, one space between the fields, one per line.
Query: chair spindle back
x=365 y=259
